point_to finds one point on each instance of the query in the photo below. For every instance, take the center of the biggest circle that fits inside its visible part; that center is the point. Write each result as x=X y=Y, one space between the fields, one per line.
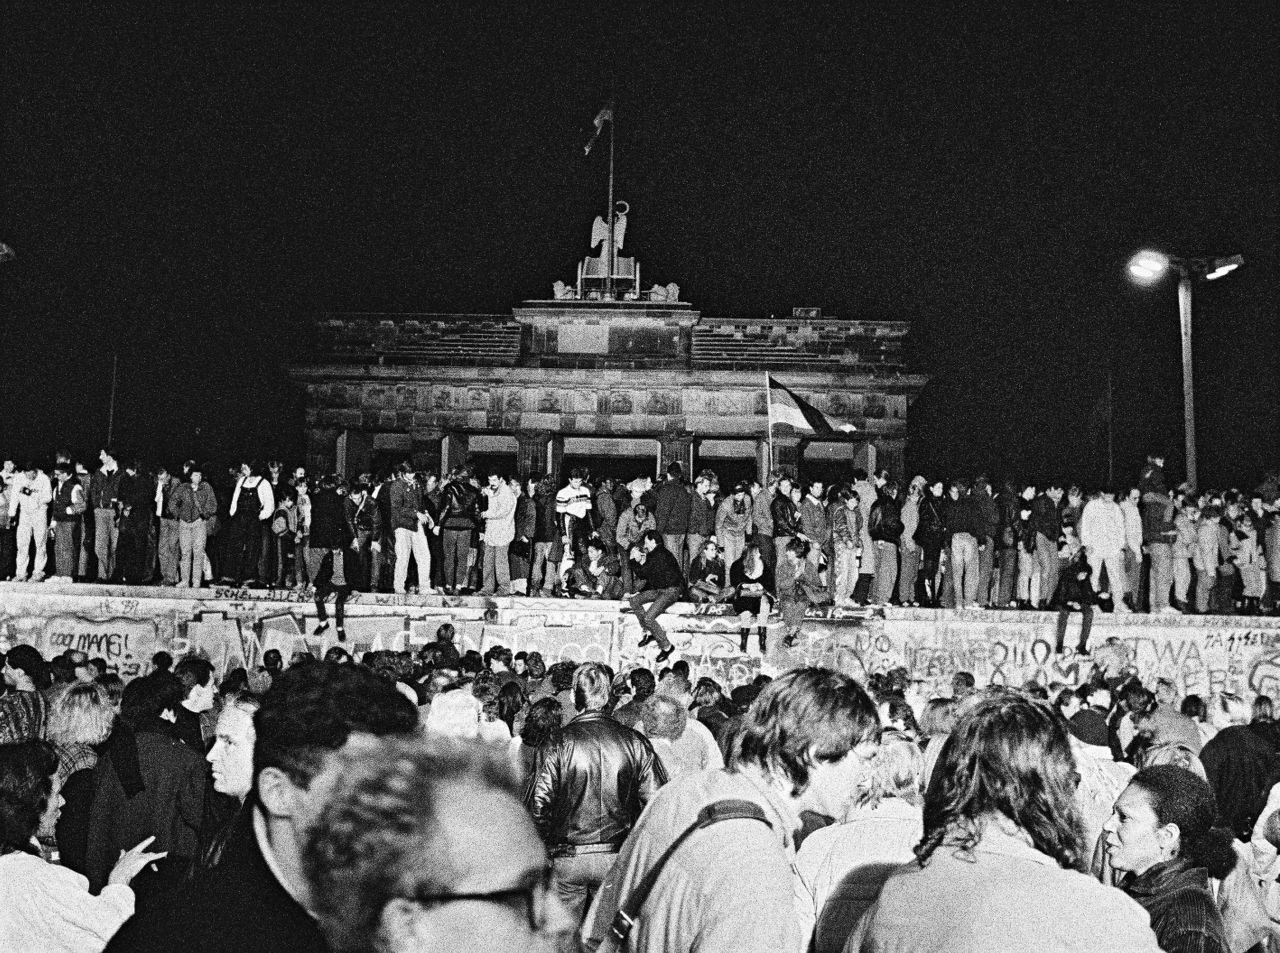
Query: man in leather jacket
x=589 y=789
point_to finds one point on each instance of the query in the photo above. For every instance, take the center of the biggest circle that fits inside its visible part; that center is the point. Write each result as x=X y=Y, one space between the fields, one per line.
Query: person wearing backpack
x=708 y=865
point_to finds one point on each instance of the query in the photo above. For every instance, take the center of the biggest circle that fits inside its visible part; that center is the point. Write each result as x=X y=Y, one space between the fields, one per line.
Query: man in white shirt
x=499 y=531
x=1103 y=535
x=29 y=499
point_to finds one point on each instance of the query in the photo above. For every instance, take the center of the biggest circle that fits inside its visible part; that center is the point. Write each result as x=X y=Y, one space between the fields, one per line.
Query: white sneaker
x=1170 y=610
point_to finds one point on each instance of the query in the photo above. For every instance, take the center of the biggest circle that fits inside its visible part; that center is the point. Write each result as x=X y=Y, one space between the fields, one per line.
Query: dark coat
x=593 y=783
x=1184 y=915
x=1241 y=769
x=237 y=906
x=786 y=518
x=169 y=806
x=672 y=513
x=329 y=521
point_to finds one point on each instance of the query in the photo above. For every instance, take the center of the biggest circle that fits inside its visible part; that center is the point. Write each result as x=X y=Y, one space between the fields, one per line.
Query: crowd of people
x=783 y=544
x=446 y=799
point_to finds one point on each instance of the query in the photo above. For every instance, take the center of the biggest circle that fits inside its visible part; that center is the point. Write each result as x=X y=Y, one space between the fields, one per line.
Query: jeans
x=1007 y=560
x=411 y=542
x=457 y=551
x=497 y=570
x=105 y=537
x=780 y=544
x=1027 y=573
x=1204 y=586
x=66 y=539
x=542 y=573
x=675 y=546
x=909 y=573
x=964 y=568
x=986 y=565
x=311 y=560
x=767 y=552
x=33 y=531
x=1133 y=575
x=658 y=601
x=886 y=572
x=1182 y=577
x=578 y=878
x=1048 y=565
x=168 y=550
x=1114 y=562
x=192 y=537
x=694 y=544
x=846 y=574
x=1161 y=574
x=733 y=547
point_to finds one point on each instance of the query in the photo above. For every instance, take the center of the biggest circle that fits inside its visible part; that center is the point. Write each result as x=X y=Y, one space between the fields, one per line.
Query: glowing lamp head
x=1222 y=266
x=1148 y=266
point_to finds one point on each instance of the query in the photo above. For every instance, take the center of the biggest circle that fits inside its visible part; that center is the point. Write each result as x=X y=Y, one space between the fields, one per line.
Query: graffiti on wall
x=125 y=627
x=125 y=644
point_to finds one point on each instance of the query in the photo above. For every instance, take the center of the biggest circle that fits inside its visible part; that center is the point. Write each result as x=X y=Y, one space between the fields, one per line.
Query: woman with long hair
x=997 y=867
x=511 y=701
x=1164 y=837
x=751 y=585
x=541 y=730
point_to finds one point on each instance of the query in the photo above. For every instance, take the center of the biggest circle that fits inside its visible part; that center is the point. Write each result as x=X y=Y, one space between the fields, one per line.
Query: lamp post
x=1148 y=267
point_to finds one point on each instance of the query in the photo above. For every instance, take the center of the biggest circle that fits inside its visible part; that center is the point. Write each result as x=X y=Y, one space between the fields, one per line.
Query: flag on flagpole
x=604 y=115
x=787 y=407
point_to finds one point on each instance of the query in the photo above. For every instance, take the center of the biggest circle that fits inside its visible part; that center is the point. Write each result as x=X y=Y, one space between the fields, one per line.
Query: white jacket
x=500 y=516
x=1102 y=526
x=30 y=496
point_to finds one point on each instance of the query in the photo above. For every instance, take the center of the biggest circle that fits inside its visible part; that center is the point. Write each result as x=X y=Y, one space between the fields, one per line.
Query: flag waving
x=604 y=115
x=787 y=407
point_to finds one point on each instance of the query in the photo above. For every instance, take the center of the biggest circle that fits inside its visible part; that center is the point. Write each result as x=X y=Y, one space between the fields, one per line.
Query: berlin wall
x=127 y=625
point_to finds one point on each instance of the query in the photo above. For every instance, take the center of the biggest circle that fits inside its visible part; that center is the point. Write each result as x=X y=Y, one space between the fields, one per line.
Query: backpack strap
x=735 y=810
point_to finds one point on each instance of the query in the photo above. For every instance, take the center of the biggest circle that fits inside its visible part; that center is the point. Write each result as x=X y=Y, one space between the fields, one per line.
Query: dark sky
x=186 y=183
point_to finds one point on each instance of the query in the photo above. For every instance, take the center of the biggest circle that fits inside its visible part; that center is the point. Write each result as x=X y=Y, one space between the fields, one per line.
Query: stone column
x=555 y=458
x=786 y=454
x=763 y=463
x=427 y=449
x=353 y=451
x=677 y=448
x=456 y=447
x=890 y=455
x=322 y=445
x=531 y=451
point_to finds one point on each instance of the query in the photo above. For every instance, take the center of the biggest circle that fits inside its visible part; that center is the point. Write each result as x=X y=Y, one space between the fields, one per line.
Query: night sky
x=186 y=184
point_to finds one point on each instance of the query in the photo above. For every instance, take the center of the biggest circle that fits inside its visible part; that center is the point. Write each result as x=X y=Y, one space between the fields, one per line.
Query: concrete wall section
x=125 y=626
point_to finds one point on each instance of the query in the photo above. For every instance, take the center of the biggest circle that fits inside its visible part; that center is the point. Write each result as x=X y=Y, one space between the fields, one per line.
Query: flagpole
x=1111 y=442
x=608 y=282
x=768 y=403
x=111 y=405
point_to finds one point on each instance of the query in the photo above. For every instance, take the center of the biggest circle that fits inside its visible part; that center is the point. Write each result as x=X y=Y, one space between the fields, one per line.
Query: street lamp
x=6 y=253
x=1148 y=267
